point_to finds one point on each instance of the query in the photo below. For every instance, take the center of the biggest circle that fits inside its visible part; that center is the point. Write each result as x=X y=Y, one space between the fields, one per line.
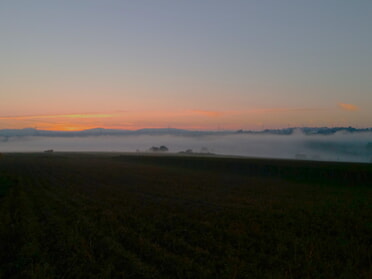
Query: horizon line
x=191 y=130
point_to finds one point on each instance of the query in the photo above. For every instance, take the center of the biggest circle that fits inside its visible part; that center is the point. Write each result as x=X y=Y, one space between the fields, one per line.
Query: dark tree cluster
x=162 y=148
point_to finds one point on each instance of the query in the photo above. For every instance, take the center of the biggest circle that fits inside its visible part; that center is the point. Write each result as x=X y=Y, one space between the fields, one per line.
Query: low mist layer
x=353 y=147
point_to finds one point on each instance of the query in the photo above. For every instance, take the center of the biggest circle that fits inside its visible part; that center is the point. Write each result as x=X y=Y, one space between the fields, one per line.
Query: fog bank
x=352 y=147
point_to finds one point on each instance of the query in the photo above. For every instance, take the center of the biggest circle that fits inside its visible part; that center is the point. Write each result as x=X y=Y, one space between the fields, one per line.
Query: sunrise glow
x=189 y=65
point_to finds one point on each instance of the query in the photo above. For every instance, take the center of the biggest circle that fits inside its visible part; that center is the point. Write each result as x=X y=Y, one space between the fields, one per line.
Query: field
x=134 y=216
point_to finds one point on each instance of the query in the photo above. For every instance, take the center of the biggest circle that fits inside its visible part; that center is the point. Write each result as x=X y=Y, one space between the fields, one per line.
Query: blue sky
x=144 y=62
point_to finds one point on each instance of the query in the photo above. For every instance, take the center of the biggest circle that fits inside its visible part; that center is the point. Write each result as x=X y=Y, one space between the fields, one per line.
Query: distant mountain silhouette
x=30 y=132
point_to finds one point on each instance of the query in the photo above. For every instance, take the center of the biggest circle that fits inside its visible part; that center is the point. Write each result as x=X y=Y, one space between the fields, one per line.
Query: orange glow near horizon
x=64 y=127
x=254 y=119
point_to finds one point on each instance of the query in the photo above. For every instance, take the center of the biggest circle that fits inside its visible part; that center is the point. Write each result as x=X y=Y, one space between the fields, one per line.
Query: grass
x=110 y=216
x=5 y=184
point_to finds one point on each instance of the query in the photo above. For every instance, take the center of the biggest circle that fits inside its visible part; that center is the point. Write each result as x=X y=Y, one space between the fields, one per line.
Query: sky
x=195 y=64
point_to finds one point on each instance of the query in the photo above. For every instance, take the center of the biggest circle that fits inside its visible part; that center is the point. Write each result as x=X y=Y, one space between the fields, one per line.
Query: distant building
x=49 y=151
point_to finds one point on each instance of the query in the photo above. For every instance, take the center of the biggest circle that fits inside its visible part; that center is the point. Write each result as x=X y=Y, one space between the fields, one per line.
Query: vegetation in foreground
x=99 y=216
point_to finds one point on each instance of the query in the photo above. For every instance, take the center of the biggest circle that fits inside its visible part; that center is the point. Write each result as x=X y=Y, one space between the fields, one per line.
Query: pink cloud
x=348 y=107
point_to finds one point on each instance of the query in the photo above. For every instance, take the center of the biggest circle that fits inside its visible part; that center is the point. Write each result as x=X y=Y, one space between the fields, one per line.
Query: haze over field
x=326 y=144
